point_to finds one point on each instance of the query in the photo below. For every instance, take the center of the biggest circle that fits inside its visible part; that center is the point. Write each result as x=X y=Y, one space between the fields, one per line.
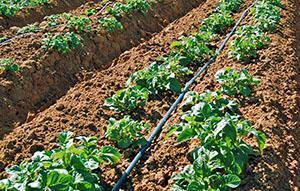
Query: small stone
x=60 y=107
x=30 y=117
x=36 y=147
x=91 y=126
x=78 y=94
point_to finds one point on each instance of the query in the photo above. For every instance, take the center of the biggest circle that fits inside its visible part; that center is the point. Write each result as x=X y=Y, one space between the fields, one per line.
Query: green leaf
x=195 y=186
x=186 y=134
x=175 y=85
x=232 y=181
x=175 y=44
x=59 y=180
x=261 y=140
x=110 y=154
x=64 y=138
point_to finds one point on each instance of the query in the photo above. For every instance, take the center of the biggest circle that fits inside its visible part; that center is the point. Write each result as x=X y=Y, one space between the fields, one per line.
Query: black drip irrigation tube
x=173 y=107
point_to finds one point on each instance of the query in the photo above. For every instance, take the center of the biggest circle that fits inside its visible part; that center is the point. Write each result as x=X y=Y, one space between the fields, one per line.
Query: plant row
x=213 y=117
x=165 y=74
x=74 y=164
x=11 y=7
x=63 y=42
x=251 y=38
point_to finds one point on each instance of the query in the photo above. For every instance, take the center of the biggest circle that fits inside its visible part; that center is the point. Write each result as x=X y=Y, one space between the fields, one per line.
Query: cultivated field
x=209 y=89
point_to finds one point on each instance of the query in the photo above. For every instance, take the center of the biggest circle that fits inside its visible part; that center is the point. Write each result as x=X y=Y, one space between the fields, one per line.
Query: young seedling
x=236 y=82
x=248 y=41
x=32 y=28
x=127 y=132
x=110 y=24
x=127 y=100
x=266 y=15
x=63 y=43
x=7 y=64
x=158 y=78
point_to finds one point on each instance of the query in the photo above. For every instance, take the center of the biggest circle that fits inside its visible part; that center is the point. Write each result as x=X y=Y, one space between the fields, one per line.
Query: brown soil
x=81 y=107
x=274 y=108
x=36 y=14
x=46 y=76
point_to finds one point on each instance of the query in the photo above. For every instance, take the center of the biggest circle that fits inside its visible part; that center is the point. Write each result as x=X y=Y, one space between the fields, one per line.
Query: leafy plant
x=216 y=101
x=236 y=82
x=3 y=38
x=222 y=154
x=7 y=64
x=226 y=154
x=79 y=24
x=62 y=43
x=217 y=22
x=110 y=24
x=193 y=48
x=118 y=9
x=32 y=28
x=128 y=99
x=201 y=108
x=126 y=132
x=11 y=7
x=53 y=20
x=90 y=12
x=206 y=174
x=71 y=166
x=140 y=5
x=249 y=40
x=157 y=78
x=266 y=15
x=229 y=5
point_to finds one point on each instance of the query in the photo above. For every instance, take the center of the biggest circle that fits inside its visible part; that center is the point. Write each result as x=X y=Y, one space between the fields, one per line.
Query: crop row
x=212 y=117
x=75 y=26
x=11 y=7
x=125 y=132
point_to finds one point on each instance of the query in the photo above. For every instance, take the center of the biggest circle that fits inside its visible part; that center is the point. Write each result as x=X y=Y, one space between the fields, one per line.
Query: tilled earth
x=273 y=108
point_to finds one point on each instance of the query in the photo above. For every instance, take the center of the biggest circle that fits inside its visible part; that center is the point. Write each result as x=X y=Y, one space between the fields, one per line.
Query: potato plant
x=63 y=43
x=236 y=82
x=32 y=28
x=229 y=5
x=118 y=10
x=126 y=132
x=90 y=12
x=128 y=99
x=78 y=24
x=139 y=5
x=10 y=7
x=206 y=173
x=53 y=20
x=7 y=64
x=266 y=15
x=74 y=165
x=248 y=41
x=222 y=154
x=217 y=22
x=158 y=78
x=110 y=24
x=193 y=48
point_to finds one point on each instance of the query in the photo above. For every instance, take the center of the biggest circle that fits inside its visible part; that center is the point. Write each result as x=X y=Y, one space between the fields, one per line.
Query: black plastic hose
x=159 y=127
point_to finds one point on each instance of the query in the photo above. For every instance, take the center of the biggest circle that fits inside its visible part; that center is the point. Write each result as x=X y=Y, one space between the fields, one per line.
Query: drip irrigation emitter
x=173 y=107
